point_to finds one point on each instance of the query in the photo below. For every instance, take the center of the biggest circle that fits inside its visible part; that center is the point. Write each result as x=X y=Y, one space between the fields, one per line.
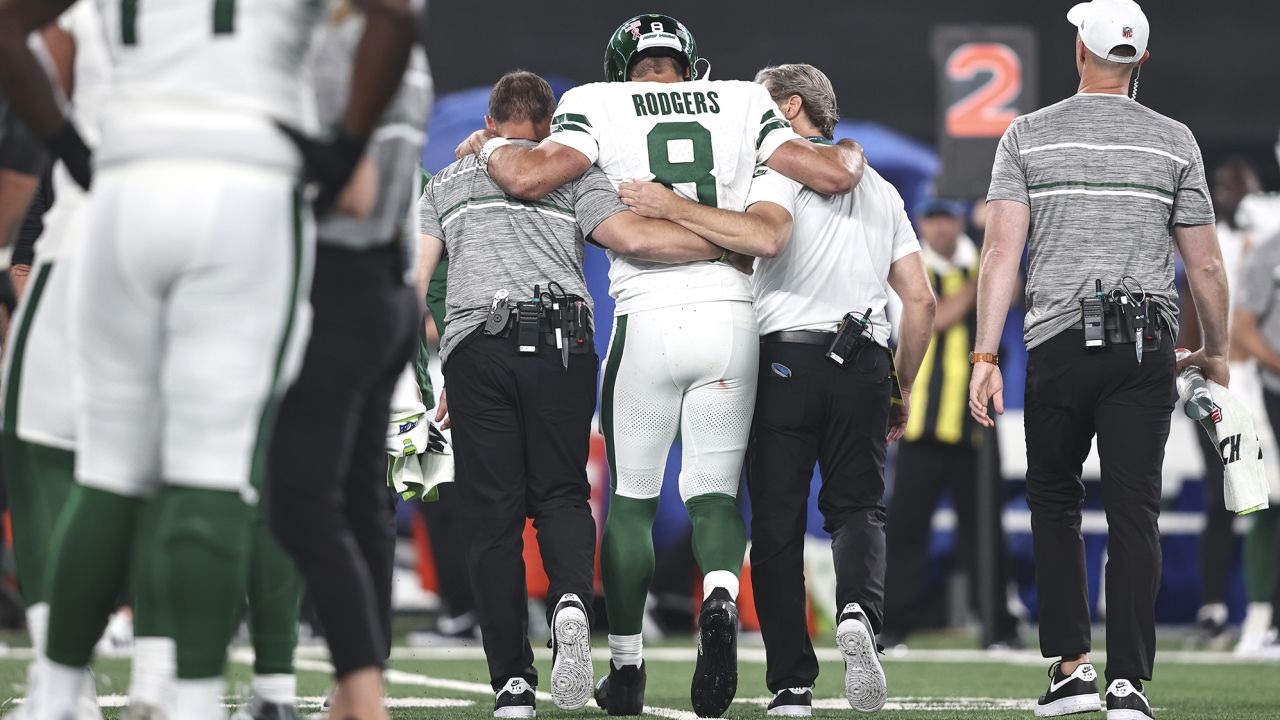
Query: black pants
x=521 y=436
x=1218 y=541
x=923 y=469
x=808 y=409
x=328 y=501
x=1073 y=394
x=444 y=527
x=1271 y=400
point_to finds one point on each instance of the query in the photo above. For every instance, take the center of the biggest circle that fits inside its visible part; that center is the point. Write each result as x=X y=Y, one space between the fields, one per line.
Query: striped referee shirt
x=1106 y=180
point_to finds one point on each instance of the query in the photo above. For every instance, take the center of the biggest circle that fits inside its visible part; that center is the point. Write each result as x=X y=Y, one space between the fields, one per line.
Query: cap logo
x=634 y=29
x=1127 y=32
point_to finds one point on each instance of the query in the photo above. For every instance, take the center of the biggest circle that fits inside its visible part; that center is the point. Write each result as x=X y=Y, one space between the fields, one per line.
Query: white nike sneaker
x=572 y=678
x=1125 y=701
x=865 y=686
x=1070 y=694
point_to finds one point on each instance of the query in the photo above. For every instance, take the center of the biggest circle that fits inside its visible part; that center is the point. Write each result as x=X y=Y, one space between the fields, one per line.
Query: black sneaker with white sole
x=715 y=678
x=571 y=672
x=1070 y=694
x=1125 y=701
x=515 y=700
x=621 y=692
x=792 y=702
x=865 y=686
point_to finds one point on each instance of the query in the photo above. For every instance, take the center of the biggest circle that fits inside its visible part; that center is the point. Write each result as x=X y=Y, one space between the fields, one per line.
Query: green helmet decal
x=646 y=32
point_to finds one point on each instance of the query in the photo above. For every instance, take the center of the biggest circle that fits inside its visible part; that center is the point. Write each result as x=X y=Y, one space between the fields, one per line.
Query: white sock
x=626 y=649
x=38 y=626
x=61 y=688
x=153 y=673
x=279 y=689
x=720 y=578
x=198 y=699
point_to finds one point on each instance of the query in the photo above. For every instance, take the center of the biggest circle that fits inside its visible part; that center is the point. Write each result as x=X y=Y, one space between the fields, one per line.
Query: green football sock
x=1259 y=555
x=719 y=535
x=150 y=613
x=88 y=562
x=275 y=593
x=626 y=561
x=38 y=479
x=200 y=566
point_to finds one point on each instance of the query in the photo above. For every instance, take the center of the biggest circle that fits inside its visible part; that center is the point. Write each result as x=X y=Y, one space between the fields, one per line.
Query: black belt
x=802 y=337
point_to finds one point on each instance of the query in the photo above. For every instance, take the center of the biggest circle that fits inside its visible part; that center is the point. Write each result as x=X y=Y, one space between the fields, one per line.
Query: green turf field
x=924 y=685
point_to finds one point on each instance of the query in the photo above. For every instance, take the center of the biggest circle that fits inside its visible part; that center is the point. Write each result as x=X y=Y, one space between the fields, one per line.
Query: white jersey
x=205 y=78
x=91 y=91
x=703 y=139
x=838 y=260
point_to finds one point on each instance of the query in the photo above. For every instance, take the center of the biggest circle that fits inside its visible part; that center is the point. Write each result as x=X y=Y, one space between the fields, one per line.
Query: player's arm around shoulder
x=604 y=219
x=826 y=169
x=762 y=230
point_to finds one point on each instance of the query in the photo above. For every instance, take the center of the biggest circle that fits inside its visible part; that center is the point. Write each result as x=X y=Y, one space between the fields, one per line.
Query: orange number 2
x=982 y=113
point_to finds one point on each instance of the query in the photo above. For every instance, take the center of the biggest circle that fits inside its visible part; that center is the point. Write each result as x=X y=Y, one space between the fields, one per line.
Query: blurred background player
x=687 y=330
x=940 y=448
x=145 y=386
x=39 y=414
x=1229 y=184
x=1256 y=330
x=327 y=499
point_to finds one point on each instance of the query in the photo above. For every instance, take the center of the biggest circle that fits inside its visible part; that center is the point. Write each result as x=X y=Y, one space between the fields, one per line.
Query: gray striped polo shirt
x=498 y=242
x=1106 y=180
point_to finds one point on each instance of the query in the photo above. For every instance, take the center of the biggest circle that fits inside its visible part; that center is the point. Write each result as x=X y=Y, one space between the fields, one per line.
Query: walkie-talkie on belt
x=1095 y=334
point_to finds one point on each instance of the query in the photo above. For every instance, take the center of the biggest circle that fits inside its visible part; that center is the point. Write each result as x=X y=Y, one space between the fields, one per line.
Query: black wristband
x=71 y=149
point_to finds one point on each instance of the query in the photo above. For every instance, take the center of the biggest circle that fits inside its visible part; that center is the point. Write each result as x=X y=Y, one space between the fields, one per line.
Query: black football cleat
x=715 y=679
x=621 y=692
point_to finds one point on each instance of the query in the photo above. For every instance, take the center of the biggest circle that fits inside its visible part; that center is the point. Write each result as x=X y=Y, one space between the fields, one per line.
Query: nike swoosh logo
x=1053 y=686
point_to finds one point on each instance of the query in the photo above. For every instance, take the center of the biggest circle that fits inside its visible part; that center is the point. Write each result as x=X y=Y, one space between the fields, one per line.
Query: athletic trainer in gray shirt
x=521 y=407
x=1099 y=189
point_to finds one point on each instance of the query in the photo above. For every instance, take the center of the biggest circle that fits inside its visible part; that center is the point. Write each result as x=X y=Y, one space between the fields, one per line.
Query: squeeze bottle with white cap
x=1197 y=402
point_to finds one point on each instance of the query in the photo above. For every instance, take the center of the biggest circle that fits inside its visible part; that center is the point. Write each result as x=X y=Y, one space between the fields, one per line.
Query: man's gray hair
x=817 y=97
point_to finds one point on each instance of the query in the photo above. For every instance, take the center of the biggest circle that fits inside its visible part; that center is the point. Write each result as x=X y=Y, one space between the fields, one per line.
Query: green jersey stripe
x=571 y=117
x=267 y=420
x=566 y=126
x=129 y=22
x=224 y=17
x=17 y=351
x=1114 y=185
x=770 y=127
x=612 y=361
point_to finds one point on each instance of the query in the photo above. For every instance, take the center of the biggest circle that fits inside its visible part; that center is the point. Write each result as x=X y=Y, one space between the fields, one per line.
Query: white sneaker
x=864 y=681
x=572 y=677
x=1069 y=694
x=1125 y=701
x=515 y=700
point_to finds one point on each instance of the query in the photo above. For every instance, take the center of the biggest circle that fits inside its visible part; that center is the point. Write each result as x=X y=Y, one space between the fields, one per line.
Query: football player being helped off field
x=684 y=352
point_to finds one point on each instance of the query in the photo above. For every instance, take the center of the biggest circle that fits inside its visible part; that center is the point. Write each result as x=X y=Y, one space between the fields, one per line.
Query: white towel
x=1232 y=430
x=420 y=456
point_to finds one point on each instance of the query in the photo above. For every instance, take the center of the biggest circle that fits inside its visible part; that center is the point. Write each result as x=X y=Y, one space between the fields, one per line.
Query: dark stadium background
x=1214 y=65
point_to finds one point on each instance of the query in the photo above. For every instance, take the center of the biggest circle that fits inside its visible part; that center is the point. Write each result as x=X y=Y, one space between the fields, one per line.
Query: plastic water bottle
x=1197 y=402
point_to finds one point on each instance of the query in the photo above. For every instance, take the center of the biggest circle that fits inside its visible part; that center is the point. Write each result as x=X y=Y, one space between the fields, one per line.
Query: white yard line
x=400 y=677
x=757 y=655
x=119 y=701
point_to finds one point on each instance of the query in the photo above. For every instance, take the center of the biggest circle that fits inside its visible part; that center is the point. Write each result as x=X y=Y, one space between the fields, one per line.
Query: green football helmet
x=646 y=32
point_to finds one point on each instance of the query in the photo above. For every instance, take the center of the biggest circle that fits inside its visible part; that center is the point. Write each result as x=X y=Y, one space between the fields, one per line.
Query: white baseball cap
x=1104 y=24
